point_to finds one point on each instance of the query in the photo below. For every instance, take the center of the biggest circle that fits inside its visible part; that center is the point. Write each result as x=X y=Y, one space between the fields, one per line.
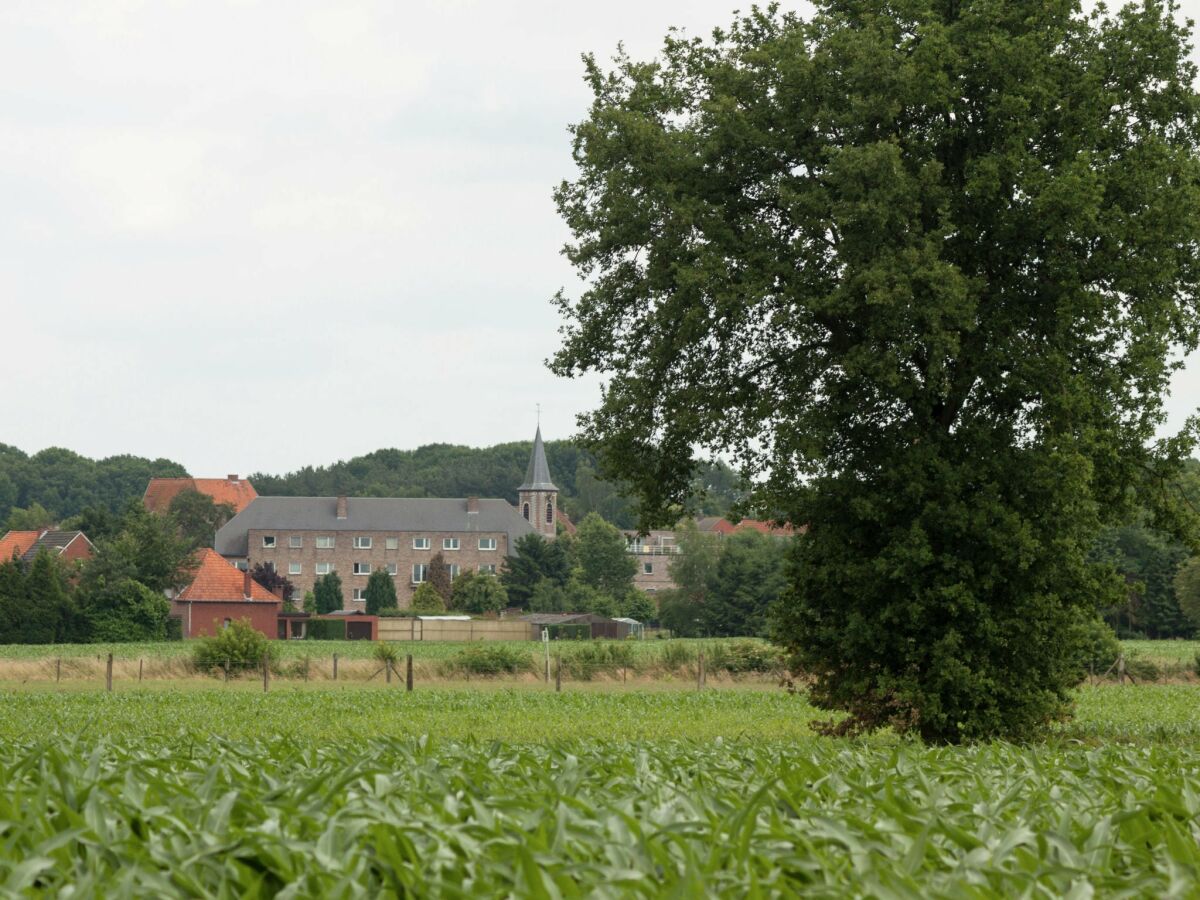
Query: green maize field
x=341 y=791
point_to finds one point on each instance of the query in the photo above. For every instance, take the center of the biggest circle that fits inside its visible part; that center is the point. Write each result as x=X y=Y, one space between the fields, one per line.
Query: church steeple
x=537 y=495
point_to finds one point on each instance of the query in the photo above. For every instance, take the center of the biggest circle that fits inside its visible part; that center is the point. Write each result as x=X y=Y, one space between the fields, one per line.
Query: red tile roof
x=724 y=526
x=217 y=579
x=237 y=492
x=16 y=543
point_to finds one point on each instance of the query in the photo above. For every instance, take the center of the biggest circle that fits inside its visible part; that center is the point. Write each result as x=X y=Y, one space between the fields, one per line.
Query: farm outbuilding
x=221 y=594
x=578 y=626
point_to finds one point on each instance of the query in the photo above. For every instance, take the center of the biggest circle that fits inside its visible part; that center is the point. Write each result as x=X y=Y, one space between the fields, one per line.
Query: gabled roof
x=237 y=492
x=15 y=543
x=537 y=476
x=56 y=542
x=369 y=514
x=718 y=525
x=216 y=579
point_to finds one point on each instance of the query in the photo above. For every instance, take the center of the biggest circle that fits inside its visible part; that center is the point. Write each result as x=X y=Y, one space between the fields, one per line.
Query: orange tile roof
x=237 y=492
x=217 y=579
x=16 y=543
x=724 y=526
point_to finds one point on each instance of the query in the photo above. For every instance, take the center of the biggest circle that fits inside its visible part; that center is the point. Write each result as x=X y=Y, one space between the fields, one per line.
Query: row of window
x=549 y=512
x=420 y=571
x=363 y=542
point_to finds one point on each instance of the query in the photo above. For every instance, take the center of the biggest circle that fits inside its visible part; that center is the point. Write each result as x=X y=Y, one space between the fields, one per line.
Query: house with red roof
x=237 y=492
x=220 y=594
x=70 y=546
x=15 y=543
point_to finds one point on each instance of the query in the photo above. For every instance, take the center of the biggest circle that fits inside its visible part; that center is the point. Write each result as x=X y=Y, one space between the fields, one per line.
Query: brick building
x=221 y=594
x=69 y=546
x=304 y=538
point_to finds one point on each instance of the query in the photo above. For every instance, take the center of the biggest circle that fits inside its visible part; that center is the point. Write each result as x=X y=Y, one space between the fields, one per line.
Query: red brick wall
x=208 y=616
x=78 y=549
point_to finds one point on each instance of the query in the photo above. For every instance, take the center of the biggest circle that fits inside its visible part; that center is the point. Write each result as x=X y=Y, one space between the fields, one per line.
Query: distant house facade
x=237 y=492
x=221 y=594
x=304 y=538
x=69 y=546
x=655 y=550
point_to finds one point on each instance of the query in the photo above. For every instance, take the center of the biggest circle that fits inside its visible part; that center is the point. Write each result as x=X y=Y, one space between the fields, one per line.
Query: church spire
x=537 y=495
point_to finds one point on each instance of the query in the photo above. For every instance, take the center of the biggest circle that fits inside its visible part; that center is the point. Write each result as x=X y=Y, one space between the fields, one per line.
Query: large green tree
x=327 y=592
x=536 y=559
x=199 y=516
x=381 y=592
x=922 y=268
x=604 y=561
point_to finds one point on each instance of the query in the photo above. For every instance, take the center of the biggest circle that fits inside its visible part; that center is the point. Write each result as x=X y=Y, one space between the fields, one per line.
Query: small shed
x=576 y=626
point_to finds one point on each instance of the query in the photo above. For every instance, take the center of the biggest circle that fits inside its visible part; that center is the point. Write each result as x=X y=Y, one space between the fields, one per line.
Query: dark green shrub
x=494 y=659
x=238 y=647
x=744 y=656
x=326 y=630
x=1142 y=669
x=174 y=628
x=676 y=655
x=1094 y=646
x=584 y=661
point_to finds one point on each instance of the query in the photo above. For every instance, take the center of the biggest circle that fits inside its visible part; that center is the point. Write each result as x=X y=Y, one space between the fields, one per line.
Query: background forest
x=57 y=486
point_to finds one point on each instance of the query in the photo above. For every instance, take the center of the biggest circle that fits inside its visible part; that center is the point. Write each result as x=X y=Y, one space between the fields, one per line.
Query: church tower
x=537 y=497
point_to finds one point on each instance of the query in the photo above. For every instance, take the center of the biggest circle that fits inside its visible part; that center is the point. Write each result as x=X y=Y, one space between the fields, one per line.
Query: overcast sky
x=249 y=236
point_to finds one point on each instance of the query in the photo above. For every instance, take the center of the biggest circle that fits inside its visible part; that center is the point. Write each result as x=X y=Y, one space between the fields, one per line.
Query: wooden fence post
x=108 y=673
x=387 y=669
x=558 y=672
x=306 y=670
x=335 y=667
x=266 y=673
x=700 y=672
x=408 y=679
x=228 y=664
x=140 y=662
x=58 y=670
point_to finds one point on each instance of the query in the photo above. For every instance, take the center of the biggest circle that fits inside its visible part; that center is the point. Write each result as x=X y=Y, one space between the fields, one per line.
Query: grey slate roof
x=537 y=476
x=54 y=541
x=366 y=514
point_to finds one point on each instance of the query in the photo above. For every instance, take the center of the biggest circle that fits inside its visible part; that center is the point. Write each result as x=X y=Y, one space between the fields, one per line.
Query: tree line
x=120 y=593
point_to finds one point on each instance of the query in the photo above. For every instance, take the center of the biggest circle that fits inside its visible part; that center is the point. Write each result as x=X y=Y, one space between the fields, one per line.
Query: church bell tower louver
x=537 y=497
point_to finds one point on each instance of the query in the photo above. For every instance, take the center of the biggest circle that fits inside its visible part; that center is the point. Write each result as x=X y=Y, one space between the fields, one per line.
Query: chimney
x=246 y=584
x=233 y=477
x=341 y=507
x=473 y=505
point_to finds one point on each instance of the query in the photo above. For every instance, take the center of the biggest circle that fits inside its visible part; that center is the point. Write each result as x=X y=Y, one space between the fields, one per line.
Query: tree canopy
x=923 y=269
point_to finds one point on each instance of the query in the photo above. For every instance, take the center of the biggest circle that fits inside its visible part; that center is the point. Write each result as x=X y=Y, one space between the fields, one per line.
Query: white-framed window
x=392 y=569
x=420 y=543
x=420 y=572
x=487 y=543
x=268 y=542
x=449 y=543
x=359 y=594
x=489 y=569
x=362 y=542
x=325 y=542
x=294 y=568
x=362 y=568
x=295 y=541
x=453 y=567
x=323 y=568
x=392 y=543
x=242 y=565
x=647 y=568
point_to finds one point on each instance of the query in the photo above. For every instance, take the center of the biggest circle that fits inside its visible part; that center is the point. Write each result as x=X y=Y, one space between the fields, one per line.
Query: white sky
x=256 y=235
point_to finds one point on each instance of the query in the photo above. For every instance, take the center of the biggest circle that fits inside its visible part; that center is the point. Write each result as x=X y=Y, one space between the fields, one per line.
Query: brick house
x=221 y=594
x=69 y=546
x=304 y=538
x=237 y=492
